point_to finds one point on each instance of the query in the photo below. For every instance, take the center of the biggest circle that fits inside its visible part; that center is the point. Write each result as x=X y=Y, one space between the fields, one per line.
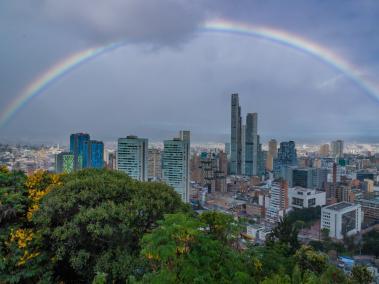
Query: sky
x=170 y=75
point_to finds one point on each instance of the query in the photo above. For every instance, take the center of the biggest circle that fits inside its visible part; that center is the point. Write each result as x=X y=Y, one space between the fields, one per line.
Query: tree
x=93 y=221
x=306 y=215
x=310 y=260
x=333 y=275
x=285 y=233
x=360 y=274
x=221 y=226
x=325 y=234
x=184 y=249
x=18 y=258
x=371 y=243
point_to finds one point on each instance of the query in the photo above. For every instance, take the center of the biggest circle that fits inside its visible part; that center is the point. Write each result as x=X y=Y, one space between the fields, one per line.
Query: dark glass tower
x=287 y=157
x=77 y=141
x=93 y=154
x=252 y=144
x=236 y=139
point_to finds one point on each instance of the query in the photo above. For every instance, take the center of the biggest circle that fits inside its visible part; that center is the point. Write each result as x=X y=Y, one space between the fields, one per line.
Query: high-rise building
x=271 y=154
x=337 y=148
x=77 y=141
x=324 y=150
x=314 y=178
x=261 y=158
x=243 y=152
x=287 y=157
x=278 y=201
x=236 y=139
x=112 y=161
x=211 y=170
x=64 y=162
x=93 y=154
x=252 y=144
x=155 y=164
x=176 y=164
x=132 y=157
x=273 y=148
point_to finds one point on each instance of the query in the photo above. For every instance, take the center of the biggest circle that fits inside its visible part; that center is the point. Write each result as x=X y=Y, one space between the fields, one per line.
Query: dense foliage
x=371 y=243
x=305 y=216
x=67 y=228
x=100 y=226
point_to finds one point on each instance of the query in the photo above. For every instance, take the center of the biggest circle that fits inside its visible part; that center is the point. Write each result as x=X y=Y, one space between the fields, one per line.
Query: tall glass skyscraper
x=235 y=137
x=77 y=141
x=93 y=154
x=176 y=164
x=337 y=148
x=287 y=157
x=132 y=157
x=251 y=159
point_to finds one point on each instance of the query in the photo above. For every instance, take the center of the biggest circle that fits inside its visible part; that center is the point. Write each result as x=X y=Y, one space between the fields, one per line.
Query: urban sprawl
x=261 y=183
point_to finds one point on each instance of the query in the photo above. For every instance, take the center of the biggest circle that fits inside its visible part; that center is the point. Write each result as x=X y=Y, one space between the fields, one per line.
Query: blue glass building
x=93 y=154
x=77 y=141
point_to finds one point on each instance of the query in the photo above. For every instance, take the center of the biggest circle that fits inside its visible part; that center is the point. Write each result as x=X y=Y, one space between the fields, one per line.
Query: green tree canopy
x=94 y=221
x=185 y=249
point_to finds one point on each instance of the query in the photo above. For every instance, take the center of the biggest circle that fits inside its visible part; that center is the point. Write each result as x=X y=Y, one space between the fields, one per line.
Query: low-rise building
x=341 y=219
x=300 y=197
x=370 y=206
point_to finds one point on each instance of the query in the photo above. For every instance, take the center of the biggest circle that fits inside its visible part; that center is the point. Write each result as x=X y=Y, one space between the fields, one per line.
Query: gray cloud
x=153 y=92
x=158 y=22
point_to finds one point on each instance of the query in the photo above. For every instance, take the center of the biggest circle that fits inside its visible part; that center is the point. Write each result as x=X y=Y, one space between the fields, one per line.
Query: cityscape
x=237 y=179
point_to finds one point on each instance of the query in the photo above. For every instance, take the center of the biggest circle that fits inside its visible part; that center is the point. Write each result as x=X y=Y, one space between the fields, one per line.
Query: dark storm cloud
x=162 y=22
x=153 y=92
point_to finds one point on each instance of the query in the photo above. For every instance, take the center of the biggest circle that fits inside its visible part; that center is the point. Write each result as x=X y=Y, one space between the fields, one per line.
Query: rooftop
x=339 y=206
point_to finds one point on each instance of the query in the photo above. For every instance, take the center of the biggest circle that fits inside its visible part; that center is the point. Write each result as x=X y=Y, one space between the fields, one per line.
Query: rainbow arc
x=283 y=38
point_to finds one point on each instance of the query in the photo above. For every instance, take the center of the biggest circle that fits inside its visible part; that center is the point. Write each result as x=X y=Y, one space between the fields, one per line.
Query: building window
x=312 y=202
x=297 y=201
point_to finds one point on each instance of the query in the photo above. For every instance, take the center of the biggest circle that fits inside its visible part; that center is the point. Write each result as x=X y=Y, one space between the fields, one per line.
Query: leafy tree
x=274 y=259
x=310 y=260
x=317 y=245
x=286 y=234
x=221 y=226
x=306 y=215
x=93 y=222
x=277 y=279
x=20 y=258
x=184 y=249
x=333 y=275
x=360 y=274
x=371 y=243
x=325 y=234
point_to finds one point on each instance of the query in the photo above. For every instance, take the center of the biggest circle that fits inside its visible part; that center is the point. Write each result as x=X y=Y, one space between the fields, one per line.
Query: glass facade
x=132 y=157
x=77 y=141
x=64 y=162
x=93 y=154
x=236 y=139
x=175 y=165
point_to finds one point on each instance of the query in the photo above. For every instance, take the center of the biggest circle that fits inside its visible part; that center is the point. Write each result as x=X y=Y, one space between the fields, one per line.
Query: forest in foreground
x=101 y=226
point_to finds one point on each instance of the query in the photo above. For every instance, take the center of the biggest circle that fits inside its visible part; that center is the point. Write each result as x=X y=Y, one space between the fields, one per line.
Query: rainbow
x=67 y=65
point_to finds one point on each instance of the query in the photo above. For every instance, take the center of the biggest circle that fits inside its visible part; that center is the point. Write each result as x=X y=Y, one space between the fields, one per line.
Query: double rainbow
x=67 y=65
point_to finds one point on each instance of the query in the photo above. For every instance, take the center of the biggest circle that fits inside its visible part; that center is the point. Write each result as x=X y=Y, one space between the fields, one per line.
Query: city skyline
x=142 y=87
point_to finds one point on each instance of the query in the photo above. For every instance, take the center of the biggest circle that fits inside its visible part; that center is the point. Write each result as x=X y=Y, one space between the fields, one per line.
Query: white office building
x=132 y=157
x=341 y=219
x=175 y=164
x=300 y=197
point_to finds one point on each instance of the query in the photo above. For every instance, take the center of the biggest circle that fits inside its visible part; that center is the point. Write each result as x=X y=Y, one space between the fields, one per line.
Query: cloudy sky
x=173 y=76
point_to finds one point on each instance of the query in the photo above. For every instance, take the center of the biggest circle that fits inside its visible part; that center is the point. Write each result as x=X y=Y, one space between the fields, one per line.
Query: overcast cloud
x=173 y=77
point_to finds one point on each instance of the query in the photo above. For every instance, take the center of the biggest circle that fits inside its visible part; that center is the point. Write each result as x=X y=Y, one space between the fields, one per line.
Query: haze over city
x=173 y=74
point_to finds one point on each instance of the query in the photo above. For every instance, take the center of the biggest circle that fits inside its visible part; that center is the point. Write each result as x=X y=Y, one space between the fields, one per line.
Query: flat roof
x=339 y=206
